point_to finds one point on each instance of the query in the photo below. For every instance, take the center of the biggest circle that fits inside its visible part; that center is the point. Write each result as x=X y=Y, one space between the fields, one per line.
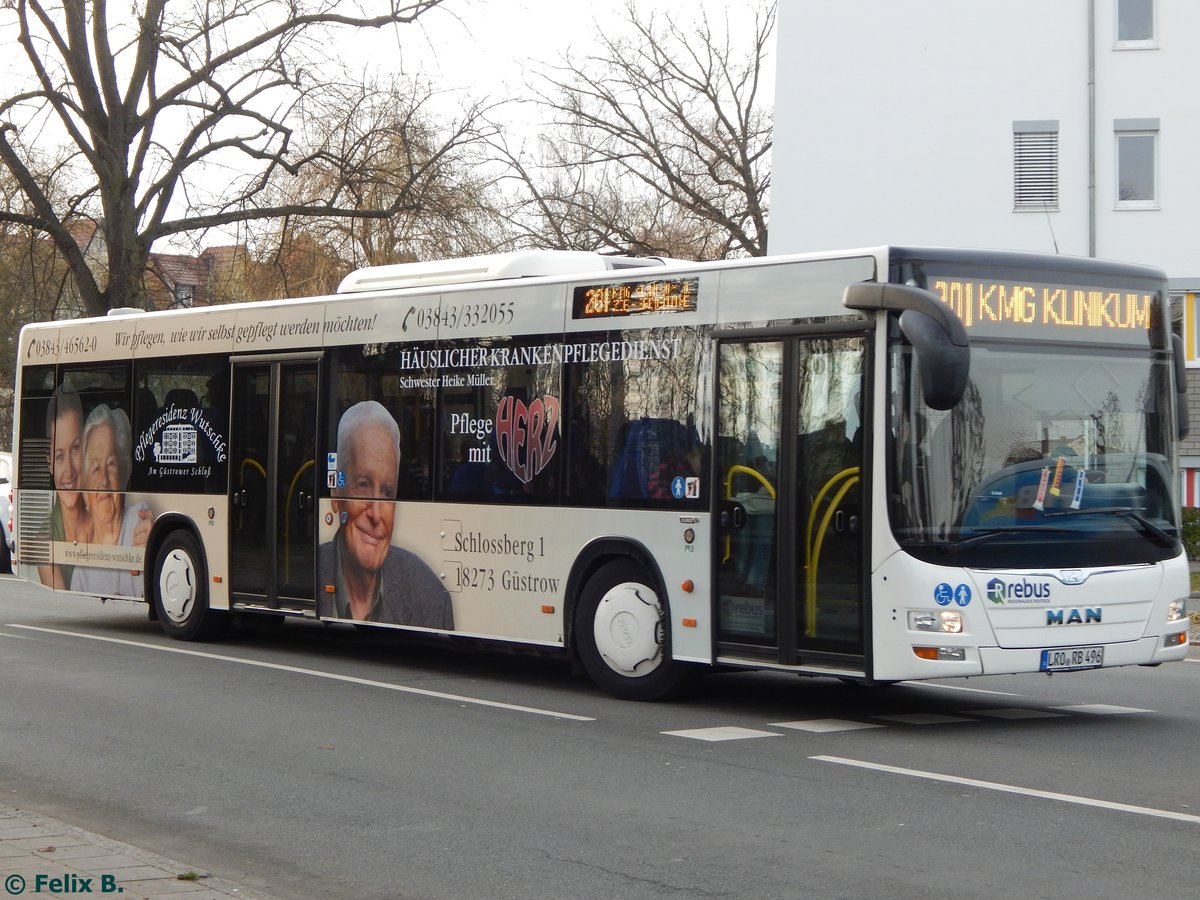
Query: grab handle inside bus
x=936 y=333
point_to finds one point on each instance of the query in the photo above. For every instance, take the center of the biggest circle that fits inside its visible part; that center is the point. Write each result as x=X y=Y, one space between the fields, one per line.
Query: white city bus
x=876 y=464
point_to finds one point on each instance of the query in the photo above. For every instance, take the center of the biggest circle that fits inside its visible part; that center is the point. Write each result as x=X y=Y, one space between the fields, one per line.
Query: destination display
x=631 y=298
x=1016 y=308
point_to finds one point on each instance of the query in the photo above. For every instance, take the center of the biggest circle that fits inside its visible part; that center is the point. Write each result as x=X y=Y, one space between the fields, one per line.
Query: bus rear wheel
x=621 y=635
x=181 y=590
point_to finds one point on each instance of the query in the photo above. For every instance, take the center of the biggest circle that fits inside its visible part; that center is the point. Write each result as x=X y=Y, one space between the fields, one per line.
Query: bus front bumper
x=1143 y=652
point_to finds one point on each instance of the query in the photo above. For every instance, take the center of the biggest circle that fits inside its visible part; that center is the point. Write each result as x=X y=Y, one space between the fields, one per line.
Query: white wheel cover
x=628 y=628
x=177 y=586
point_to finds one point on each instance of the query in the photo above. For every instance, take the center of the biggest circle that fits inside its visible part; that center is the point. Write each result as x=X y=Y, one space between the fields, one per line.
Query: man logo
x=1073 y=616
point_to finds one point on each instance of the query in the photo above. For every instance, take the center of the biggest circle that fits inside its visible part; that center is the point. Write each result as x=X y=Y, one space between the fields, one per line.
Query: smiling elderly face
x=66 y=455
x=371 y=461
x=102 y=473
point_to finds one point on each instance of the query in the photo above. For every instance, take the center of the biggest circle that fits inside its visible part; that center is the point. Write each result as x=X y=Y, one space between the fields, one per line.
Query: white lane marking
x=823 y=726
x=316 y=673
x=1013 y=789
x=17 y=637
x=1103 y=709
x=956 y=687
x=722 y=733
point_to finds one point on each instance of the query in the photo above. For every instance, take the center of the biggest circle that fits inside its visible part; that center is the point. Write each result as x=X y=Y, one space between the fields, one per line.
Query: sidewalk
x=40 y=856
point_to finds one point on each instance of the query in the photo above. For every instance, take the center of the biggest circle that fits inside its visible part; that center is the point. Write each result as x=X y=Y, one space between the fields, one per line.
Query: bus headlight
x=945 y=621
x=1176 y=610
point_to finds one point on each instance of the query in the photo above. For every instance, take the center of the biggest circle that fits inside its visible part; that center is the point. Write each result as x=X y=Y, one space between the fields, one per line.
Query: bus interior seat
x=181 y=398
x=469 y=478
x=146 y=408
x=648 y=442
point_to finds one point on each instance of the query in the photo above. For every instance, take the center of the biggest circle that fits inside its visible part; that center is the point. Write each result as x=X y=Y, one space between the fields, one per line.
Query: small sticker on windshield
x=1040 y=502
x=1080 y=481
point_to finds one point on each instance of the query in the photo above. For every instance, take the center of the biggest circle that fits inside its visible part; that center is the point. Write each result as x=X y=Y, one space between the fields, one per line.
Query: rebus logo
x=995 y=590
x=1023 y=591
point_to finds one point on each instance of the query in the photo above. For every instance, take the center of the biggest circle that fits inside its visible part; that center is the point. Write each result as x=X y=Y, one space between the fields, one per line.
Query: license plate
x=1070 y=659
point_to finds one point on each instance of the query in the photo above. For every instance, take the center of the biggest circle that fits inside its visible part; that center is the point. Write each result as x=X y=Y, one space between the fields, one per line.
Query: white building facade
x=1069 y=126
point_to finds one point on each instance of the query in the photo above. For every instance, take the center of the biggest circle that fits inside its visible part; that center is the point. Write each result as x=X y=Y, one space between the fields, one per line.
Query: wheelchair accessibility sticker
x=944 y=594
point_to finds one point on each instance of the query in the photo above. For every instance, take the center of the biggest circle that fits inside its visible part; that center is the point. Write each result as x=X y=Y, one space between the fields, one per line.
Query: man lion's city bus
x=874 y=465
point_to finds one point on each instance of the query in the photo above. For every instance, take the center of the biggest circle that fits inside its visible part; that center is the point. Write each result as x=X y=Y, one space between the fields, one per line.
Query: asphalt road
x=311 y=761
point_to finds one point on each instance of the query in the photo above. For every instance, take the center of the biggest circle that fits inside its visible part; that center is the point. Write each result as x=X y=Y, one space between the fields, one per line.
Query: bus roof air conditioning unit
x=469 y=269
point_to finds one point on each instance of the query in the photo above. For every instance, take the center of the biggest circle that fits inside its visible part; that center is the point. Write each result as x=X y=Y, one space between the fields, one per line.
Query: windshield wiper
x=1148 y=528
x=983 y=535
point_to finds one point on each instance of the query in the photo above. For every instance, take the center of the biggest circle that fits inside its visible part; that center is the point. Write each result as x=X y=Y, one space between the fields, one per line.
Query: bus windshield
x=1056 y=459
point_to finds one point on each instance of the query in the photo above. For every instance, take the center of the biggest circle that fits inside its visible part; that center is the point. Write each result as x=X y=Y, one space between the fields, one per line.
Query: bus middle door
x=273 y=484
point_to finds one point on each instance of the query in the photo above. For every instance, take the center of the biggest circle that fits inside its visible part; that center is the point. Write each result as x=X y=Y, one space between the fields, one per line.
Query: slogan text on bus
x=1014 y=303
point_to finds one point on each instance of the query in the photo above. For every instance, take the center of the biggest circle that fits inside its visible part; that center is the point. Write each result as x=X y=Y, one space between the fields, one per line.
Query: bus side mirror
x=944 y=365
x=1179 y=358
x=936 y=333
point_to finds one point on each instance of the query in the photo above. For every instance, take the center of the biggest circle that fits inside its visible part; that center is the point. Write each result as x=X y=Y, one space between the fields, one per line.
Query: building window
x=184 y=295
x=1135 y=23
x=1035 y=165
x=1137 y=163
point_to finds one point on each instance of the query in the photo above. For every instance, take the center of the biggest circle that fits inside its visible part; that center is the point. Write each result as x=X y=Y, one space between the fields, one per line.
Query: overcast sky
x=489 y=46
x=489 y=49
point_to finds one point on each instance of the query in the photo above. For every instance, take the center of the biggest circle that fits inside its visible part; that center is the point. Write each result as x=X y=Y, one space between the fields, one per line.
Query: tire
x=180 y=590
x=621 y=635
x=5 y=555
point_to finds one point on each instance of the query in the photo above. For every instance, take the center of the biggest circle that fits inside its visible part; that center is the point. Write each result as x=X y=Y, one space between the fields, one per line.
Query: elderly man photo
x=374 y=581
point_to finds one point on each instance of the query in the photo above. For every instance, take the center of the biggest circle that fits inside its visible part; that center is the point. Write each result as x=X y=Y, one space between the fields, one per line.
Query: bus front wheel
x=181 y=590
x=621 y=635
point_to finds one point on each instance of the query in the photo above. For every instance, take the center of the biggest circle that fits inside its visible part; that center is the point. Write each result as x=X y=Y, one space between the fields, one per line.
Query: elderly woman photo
x=107 y=460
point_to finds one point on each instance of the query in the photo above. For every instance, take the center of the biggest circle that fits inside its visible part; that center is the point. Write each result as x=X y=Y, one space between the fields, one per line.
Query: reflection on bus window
x=1034 y=437
x=639 y=430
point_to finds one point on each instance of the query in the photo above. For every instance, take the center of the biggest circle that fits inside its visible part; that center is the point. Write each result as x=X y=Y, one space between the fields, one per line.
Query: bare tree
x=660 y=144
x=388 y=141
x=177 y=119
x=33 y=284
x=293 y=260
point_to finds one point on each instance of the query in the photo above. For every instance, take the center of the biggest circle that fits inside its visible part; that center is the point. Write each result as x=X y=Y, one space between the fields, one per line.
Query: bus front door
x=273 y=485
x=791 y=549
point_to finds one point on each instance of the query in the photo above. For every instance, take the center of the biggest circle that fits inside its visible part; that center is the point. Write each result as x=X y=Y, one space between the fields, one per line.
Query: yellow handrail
x=250 y=462
x=812 y=550
x=746 y=470
x=734 y=469
x=287 y=522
